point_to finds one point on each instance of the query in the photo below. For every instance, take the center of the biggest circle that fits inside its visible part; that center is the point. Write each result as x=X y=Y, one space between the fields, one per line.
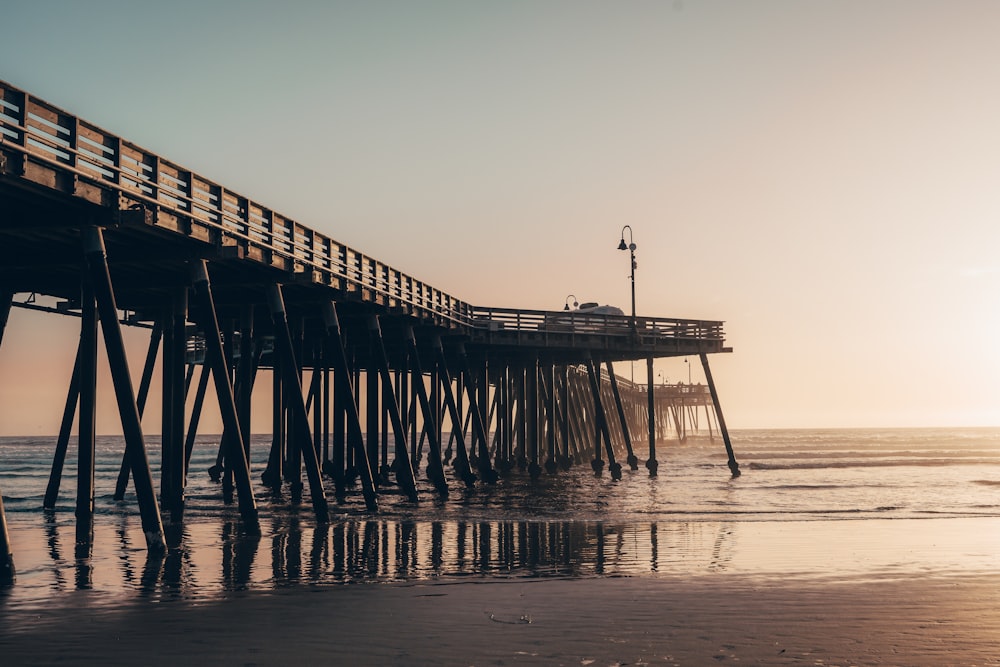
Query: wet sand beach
x=834 y=548
x=594 y=621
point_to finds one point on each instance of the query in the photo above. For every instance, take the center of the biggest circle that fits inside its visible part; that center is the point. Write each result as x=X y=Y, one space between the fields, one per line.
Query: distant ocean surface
x=810 y=503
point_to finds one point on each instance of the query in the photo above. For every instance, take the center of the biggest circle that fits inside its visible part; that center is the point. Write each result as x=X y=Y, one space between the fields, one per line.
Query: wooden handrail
x=48 y=135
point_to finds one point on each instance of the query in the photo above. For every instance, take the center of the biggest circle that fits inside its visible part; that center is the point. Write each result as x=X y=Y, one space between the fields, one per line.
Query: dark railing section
x=102 y=168
x=572 y=322
x=95 y=164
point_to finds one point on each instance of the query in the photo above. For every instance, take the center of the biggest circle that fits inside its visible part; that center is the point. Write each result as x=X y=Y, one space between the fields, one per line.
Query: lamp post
x=631 y=248
x=576 y=304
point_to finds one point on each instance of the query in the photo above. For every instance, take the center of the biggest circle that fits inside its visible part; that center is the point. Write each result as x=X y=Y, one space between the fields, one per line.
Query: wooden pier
x=375 y=373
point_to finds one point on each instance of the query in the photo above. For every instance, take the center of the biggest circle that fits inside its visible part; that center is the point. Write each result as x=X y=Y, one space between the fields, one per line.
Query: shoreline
x=711 y=619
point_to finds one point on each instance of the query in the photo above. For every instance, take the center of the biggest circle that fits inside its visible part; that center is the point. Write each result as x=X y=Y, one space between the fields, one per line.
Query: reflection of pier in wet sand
x=375 y=376
x=376 y=550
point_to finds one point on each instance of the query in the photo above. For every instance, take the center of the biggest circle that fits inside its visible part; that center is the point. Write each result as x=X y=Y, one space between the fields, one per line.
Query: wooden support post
x=486 y=471
x=533 y=406
x=293 y=391
x=246 y=371
x=435 y=466
x=97 y=267
x=199 y=401
x=520 y=423
x=316 y=390
x=87 y=432
x=335 y=465
x=144 y=382
x=292 y=394
x=734 y=467
x=651 y=463
x=327 y=400
x=552 y=421
x=345 y=392
x=8 y=574
x=371 y=427
x=578 y=395
x=565 y=459
x=173 y=396
x=632 y=460
x=602 y=424
x=461 y=463
x=178 y=477
x=62 y=443
x=215 y=358
x=401 y=464
x=274 y=471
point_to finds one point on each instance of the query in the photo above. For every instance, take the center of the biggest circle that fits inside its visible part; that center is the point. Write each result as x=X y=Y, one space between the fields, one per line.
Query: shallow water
x=843 y=504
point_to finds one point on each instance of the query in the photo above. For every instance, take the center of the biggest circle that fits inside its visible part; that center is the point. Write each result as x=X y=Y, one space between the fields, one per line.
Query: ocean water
x=813 y=504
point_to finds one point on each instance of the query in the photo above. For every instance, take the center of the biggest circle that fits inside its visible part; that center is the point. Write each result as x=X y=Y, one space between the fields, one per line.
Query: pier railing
x=47 y=147
x=50 y=147
x=589 y=324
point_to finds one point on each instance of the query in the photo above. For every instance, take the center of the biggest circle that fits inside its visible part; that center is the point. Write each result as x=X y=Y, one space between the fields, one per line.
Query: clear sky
x=823 y=176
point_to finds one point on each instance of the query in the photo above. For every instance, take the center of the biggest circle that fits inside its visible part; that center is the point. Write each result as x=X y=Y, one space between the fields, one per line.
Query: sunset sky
x=822 y=176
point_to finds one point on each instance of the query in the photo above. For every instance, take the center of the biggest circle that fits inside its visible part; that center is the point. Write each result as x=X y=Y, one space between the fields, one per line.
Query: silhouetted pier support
x=62 y=442
x=435 y=466
x=632 y=460
x=733 y=466
x=7 y=572
x=88 y=417
x=215 y=359
x=651 y=463
x=144 y=382
x=100 y=278
x=347 y=408
x=402 y=464
x=462 y=465
x=603 y=432
x=293 y=390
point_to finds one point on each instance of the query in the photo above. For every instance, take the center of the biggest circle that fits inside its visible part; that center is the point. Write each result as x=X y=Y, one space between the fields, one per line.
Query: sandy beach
x=596 y=621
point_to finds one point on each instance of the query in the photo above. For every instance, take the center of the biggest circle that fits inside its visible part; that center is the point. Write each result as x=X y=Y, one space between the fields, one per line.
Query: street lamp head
x=622 y=246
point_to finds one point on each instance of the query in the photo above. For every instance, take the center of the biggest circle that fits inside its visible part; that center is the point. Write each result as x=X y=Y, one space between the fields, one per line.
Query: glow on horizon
x=819 y=175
